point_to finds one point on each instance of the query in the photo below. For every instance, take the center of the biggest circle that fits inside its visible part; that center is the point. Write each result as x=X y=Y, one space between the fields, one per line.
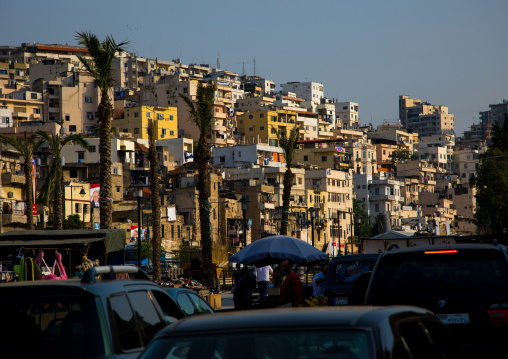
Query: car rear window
x=43 y=325
x=347 y=272
x=465 y=270
x=274 y=345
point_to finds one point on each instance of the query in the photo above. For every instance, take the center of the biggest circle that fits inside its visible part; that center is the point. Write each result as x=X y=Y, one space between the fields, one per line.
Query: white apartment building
x=437 y=150
x=245 y=155
x=181 y=148
x=121 y=151
x=347 y=112
x=309 y=91
x=385 y=195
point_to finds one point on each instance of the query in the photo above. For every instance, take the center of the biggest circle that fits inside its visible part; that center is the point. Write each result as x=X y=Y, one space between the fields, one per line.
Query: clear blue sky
x=452 y=53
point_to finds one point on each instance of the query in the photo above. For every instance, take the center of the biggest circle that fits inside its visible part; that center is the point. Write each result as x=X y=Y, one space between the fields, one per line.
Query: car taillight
x=499 y=317
x=441 y=252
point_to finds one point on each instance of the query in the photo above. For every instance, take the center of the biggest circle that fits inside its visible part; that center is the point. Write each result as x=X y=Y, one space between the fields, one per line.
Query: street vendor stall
x=104 y=245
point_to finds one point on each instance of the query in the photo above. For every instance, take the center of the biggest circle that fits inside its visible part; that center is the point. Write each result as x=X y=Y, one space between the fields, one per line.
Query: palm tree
x=103 y=53
x=26 y=146
x=53 y=185
x=288 y=145
x=156 y=200
x=202 y=115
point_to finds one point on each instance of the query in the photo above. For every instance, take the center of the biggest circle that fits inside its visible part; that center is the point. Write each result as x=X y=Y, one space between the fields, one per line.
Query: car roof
x=100 y=287
x=175 y=291
x=276 y=319
x=478 y=246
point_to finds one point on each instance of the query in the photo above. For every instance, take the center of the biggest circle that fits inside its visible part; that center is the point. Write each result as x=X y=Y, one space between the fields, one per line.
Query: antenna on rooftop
x=243 y=66
x=218 y=62
x=254 y=65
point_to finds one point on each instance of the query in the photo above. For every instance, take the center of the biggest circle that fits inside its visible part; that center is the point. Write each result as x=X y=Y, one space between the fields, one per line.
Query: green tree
x=52 y=188
x=26 y=146
x=403 y=156
x=492 y=183
x=103 y=53
x=201 y=113
x=364 y=228
x=288 y=145
x=155 y=199
x=73 y=222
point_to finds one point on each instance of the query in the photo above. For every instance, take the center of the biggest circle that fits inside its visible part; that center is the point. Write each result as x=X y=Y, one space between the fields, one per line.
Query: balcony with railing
x=16 y=217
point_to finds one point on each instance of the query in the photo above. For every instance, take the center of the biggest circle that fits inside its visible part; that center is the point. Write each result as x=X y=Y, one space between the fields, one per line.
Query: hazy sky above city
x=452 y=53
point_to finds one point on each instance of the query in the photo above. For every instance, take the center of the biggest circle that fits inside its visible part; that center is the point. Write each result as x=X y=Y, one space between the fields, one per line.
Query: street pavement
x=227 y=300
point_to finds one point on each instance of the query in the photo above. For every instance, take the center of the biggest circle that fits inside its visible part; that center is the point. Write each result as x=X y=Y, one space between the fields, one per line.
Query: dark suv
x=87 y=318
x=343 y=272
x=465 y=285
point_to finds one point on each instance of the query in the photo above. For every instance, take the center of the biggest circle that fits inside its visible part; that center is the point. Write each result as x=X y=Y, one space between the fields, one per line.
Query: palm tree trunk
x=27 y=166
x=156 y=210
x=286 y=194
x=106 y=206
x=57 y=196
x=203 y=156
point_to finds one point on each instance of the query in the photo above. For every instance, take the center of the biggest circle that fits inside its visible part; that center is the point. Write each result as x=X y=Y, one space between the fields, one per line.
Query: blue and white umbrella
x=271 y=250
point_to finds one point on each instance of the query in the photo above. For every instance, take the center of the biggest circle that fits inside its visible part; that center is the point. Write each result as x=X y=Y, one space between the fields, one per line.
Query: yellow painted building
x=135 y=121
x=262 y=126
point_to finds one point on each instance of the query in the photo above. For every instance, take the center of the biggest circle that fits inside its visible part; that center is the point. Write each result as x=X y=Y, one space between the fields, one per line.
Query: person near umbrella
x=291 y=291
x=242 y=296
x=319 y=281
x=263 y=278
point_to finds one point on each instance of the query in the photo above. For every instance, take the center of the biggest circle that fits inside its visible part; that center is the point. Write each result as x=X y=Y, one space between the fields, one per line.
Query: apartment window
x=384 y=152
x=115 y=170
x=305 y=158
x=324 y=158
x=251 y=117
x=136 y=114
x=67 y=118
x=376 y=207
x=33 y=96
x=117 y=189
x=136 y=131
x=222 y=159
x=163 y=131
x=171 y=117
x=274 y=118
x=92 y=149
x=86 y=208
x=148 y=115
x=81 y=155
x=77 y=207
x=240 y=154
x=261 y=115
x=89 y=115
x=261 y=128
x=251 y=129
x=88 y=99
x=37 y=110
x=72 y=128
x=273 y=131
x=171 y=133
x=73 y=173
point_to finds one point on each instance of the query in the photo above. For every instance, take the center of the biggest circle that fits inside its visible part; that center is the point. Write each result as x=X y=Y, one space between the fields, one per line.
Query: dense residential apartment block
x=347 y=112
x=247 y=156
x=422 y=117
x=311 y=92
x=262 y=126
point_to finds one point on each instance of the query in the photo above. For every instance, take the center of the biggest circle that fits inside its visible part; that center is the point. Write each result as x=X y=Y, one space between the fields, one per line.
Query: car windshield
x=50 y=326
x=463 y=271
x=347 y=272
x=312 y=343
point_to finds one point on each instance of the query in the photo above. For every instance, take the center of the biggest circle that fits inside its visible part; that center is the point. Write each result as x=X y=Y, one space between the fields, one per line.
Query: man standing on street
x=291 y=291
x=319 y=281
x=263 y=277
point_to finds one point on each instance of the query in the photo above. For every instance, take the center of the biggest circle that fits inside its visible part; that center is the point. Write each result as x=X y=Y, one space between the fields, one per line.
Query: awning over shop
x=114 y=239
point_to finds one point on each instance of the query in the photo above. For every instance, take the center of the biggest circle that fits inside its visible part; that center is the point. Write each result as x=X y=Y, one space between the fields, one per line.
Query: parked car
x=87 y=318
x=466 y=286
x=321 y=332
x=190 y=302
x=343 y=272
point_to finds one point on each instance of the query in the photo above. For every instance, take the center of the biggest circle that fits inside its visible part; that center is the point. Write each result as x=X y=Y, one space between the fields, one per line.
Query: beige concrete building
x=12 y=192
x=422 y=117
x=76 y=196
x=70 y=96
